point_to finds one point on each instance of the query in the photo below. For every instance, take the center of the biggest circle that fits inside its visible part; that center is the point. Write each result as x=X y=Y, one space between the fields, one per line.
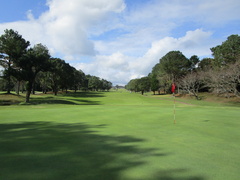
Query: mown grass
x=119 y=135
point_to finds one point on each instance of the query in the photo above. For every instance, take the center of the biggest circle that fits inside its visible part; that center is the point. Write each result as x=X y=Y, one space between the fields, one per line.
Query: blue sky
x=119 y=40
x=16 y=10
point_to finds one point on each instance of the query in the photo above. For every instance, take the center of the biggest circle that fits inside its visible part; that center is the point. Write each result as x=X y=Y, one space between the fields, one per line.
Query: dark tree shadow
x=52 y=100
x=41 y=150
x=10 y=99
x=51 y=151
x=176 y=174
x=77 y=98
x=85 y=94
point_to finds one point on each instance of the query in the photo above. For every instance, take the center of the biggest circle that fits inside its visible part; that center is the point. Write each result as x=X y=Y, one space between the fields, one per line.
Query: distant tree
x=12 y=48
x=132 y=85
x=107 y=85
x=206 y=64
x=55 y=74
x=63 y=76
x=154 y=83
x=67 y=77
x=79 y=78
x=44 y=80
x=143 y=84
x=194 y=60
x=94 y=83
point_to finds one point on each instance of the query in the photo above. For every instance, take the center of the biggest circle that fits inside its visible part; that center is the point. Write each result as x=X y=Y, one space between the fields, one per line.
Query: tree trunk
x=33 y=88
x=55 y=90
x=8 y=85
x=29 y=90
x=196 y=95
x=23 y=83
x=8 y=78
x=18 y=87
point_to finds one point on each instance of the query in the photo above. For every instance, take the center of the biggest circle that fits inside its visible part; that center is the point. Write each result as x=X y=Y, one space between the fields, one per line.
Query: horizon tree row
x=219 y=75
x=32 y=68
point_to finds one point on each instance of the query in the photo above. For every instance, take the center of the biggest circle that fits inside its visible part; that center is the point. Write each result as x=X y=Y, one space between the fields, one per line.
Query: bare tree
x=232 y=78
x=191 y=83
x=224 y=81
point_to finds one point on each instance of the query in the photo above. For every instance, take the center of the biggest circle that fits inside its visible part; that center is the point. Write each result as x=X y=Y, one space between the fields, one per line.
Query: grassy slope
x=120 y=136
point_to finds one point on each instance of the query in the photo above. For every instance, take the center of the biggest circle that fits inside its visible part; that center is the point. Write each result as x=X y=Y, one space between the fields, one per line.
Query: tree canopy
x=219 y=74
x=34 y=67
x=228 y=52
x=12 y=47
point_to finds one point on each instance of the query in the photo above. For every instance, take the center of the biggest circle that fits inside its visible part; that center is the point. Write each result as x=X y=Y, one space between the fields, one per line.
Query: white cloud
x=30 y=16
x=114 y=67
x=155 y=19
x=194 y=42
x=65 y=27
x=218 y=12
x=120 y=68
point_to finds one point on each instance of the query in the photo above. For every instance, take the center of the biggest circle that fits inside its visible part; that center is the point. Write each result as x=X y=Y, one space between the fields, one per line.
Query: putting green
x=119 y=135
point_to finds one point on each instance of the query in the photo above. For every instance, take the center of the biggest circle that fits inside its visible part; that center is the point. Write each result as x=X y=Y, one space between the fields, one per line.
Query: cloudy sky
x=121 y=39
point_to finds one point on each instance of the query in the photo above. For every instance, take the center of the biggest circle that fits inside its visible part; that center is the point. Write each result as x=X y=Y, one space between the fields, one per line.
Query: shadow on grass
x=13 y=99
x=61 y=151
x=41 y=150
x=10 y=99
x=84 y=94
x=77 y=98
x=57 y=100
x=175 y=174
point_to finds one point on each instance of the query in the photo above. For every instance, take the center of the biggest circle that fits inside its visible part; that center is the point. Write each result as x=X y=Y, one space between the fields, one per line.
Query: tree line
x=219 y=75
x=28 y=69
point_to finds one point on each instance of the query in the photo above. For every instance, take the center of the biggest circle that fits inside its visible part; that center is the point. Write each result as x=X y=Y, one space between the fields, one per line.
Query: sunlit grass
x=119 y=135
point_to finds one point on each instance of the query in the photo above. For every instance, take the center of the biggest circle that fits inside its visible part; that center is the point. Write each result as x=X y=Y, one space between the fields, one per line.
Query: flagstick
x=174 y=109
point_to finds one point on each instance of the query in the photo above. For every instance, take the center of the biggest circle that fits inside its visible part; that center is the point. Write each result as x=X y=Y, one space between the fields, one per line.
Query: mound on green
x=119 y=136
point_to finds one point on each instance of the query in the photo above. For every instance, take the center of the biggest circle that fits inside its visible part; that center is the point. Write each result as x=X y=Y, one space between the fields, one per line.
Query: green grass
x=118 y=136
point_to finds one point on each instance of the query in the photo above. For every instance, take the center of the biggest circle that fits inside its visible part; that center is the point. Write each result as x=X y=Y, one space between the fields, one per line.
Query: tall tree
x=228 y=52
x=163 y=78
x=36 y=59
x=12 y=47
x=175 y=64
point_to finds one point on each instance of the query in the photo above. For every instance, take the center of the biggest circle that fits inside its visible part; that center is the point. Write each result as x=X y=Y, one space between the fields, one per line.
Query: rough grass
x=119 y=135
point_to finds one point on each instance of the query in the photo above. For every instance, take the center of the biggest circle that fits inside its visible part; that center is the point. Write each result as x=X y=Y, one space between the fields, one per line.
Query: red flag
x=173 y=88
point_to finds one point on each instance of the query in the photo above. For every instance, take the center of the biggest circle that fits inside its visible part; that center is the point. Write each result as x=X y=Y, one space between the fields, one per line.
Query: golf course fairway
x=119 y=135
